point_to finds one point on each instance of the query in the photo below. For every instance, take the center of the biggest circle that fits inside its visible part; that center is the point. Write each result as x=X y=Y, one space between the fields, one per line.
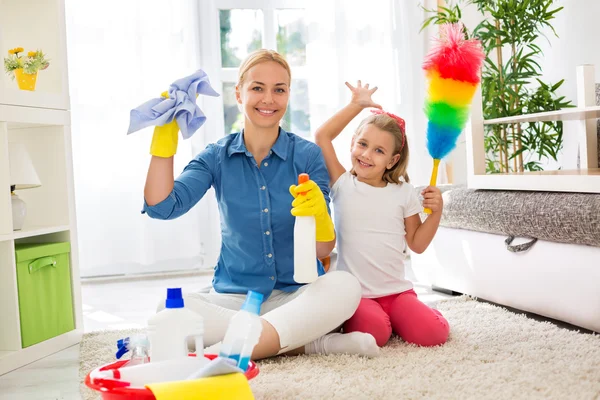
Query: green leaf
x=557 y=85
x=542 y=84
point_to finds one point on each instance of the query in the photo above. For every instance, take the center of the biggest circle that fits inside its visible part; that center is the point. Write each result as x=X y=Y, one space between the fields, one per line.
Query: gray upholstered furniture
x=552 y=268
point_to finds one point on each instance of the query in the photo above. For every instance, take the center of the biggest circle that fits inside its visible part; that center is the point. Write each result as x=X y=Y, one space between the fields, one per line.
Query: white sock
x=344 y=343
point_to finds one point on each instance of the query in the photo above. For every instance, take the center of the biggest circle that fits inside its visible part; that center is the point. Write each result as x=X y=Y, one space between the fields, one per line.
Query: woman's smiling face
x=264 y=94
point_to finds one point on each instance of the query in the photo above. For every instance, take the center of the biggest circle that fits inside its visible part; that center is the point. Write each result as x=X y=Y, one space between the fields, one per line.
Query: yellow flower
x=15 y=50
x=32 y=54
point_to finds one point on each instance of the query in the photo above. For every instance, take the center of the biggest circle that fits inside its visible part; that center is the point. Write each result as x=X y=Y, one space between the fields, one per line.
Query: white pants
x=298 y=317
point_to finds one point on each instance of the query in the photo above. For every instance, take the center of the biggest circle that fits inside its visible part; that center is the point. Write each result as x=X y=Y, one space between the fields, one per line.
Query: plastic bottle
x=243 y=331
x=139 y=346
x=305 y=245
x=139 y=351
x=169 y=330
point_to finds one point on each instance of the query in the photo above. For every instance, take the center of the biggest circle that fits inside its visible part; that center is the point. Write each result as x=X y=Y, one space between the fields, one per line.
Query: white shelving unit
x=41 y=121
x=586 y=179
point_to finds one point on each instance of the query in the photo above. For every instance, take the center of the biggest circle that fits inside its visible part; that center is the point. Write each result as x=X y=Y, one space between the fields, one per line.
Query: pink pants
x=405 y=315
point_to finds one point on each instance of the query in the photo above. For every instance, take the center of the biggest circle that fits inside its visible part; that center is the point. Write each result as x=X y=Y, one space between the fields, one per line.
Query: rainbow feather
x=452 y=70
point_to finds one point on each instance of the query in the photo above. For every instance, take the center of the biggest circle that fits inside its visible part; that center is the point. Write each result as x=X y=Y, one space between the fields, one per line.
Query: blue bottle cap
x=174 y=298
x=253 y=302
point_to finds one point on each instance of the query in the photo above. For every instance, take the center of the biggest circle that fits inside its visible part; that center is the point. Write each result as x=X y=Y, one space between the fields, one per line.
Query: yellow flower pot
x=25 y=81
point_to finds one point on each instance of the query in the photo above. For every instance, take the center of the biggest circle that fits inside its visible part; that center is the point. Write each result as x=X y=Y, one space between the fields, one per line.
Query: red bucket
x=112 y=392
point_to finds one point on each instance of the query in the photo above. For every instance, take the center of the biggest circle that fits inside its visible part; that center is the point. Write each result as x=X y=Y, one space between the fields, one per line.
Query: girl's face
x=264 y=94
x=373 y=153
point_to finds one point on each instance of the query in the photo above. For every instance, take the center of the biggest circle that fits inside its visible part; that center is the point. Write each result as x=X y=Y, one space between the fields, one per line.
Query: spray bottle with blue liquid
x=243 y=331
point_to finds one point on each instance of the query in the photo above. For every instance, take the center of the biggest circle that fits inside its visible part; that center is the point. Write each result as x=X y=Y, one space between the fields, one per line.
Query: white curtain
x=377 y=42
x=122 y=53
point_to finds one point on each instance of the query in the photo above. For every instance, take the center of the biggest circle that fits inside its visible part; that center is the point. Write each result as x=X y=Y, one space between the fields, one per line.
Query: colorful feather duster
x=452 y=68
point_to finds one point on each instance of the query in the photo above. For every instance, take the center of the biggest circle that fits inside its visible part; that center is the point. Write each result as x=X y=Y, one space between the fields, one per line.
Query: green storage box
x=44 y=284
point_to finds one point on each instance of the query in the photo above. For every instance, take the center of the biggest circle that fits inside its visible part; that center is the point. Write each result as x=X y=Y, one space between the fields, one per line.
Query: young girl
x=376 y=217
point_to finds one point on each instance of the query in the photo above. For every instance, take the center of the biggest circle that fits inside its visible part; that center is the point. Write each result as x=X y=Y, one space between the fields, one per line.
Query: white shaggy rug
x=491 y=354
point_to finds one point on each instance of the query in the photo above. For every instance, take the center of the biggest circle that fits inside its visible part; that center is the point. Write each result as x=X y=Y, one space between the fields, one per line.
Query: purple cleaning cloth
x=180 y=105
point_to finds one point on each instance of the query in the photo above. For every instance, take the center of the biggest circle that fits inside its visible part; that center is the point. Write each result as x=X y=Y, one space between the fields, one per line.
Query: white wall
x=578 y=28
x=578 y=43
x=458 y=158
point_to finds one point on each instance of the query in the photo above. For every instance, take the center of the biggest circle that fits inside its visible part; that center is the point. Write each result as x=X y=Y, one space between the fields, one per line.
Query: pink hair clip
x=398 y=120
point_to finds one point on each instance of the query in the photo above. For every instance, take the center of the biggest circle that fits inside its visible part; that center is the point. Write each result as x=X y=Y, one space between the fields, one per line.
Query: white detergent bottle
x=305 y=245
x=243 y=331
x=170 y=329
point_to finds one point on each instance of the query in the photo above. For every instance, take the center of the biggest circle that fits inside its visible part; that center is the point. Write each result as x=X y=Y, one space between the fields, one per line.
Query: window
x=249 y=25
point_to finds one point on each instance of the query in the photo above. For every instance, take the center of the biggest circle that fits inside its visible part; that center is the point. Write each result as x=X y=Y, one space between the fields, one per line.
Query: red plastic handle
x=302 y=178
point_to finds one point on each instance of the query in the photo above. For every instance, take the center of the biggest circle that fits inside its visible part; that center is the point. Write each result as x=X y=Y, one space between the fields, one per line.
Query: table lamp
x=22 y=176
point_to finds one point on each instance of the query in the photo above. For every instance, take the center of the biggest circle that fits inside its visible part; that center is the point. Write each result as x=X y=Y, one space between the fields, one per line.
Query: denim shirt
x=257 y=251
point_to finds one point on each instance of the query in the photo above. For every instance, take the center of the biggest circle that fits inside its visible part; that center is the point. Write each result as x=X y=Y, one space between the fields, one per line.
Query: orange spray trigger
x=302 y=178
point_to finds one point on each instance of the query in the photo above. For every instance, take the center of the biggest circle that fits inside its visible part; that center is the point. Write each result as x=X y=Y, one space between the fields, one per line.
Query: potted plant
x=25 y=67
x=511 y=80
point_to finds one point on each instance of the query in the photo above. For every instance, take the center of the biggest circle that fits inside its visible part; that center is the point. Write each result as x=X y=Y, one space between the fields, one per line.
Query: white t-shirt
x=369 y=222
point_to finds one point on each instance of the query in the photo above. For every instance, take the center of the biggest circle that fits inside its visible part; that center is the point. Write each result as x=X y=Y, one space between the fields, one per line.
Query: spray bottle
x=305 y=245
x=139 y=345
x=243 y=331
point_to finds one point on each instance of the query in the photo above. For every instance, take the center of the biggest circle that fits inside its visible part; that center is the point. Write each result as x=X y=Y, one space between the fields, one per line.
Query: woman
x=251 y=173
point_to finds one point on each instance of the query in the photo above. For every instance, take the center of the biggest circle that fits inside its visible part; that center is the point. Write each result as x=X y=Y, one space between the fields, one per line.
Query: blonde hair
x=258 y=57
x=389 y=124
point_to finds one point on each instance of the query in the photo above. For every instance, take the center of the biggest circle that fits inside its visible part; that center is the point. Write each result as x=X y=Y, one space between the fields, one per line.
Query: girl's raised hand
x=361 y=95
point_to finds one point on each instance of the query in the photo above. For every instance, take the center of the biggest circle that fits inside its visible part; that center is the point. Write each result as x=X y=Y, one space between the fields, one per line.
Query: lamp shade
x=22 y=172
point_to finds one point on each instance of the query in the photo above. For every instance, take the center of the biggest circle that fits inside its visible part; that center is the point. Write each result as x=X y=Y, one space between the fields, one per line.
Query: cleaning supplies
x=174 y=110
x=222 y=387
x=309 y=200
x=139 y=346
x=453 y=70
x=305 y=245
x=170 y=329
x=243 y=331
x=155 y=371
x=217 y=366
x=179 y=104
x=109 y=388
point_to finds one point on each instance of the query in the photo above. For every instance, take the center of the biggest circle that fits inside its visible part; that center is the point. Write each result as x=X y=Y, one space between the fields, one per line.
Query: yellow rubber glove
x=165 y=138
x=221 y=387
x=312 y=203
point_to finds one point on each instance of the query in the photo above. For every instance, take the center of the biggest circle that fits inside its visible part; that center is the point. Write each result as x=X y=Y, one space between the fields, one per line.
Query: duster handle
x=433 y=181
